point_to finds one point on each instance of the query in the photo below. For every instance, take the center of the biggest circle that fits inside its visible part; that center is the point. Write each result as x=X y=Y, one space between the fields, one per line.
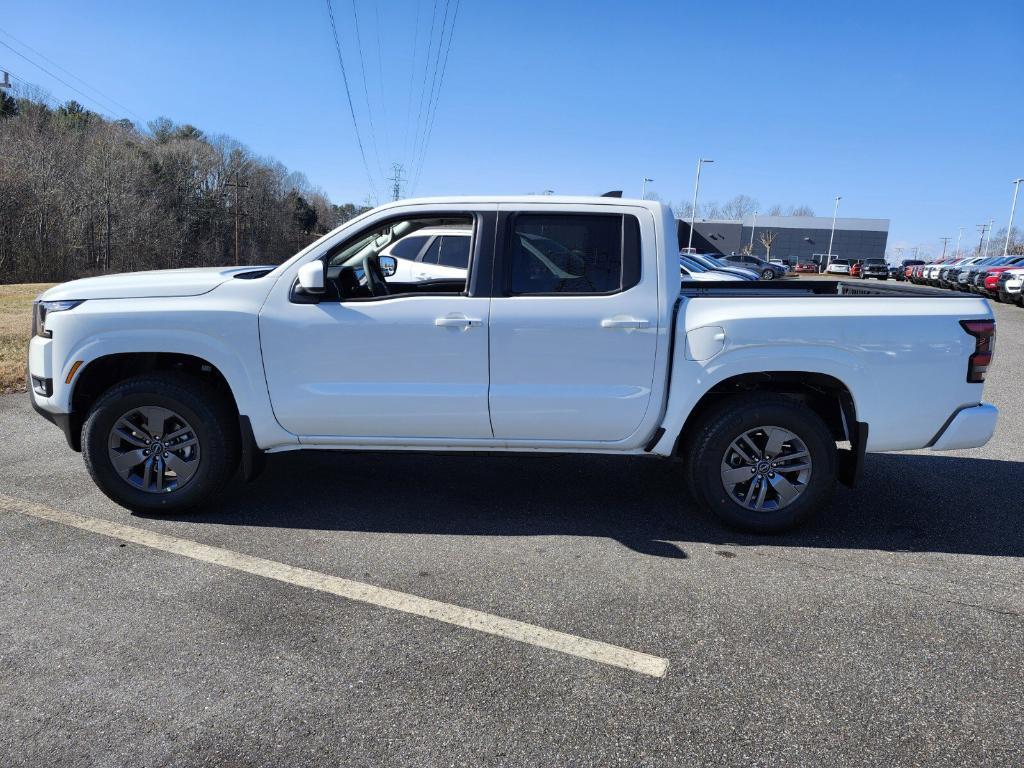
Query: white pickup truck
x=570 y=333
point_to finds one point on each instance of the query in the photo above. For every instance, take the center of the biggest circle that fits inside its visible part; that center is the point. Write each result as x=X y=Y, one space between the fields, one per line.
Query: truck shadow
x=916 y=503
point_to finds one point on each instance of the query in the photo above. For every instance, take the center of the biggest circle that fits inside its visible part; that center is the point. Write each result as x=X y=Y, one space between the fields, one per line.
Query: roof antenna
x=613 y=193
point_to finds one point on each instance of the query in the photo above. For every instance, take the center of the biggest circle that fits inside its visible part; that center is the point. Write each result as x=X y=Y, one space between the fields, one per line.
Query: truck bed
x=798 y=288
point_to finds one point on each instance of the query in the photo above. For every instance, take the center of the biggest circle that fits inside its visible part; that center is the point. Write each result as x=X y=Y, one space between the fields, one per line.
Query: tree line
x=83 y=195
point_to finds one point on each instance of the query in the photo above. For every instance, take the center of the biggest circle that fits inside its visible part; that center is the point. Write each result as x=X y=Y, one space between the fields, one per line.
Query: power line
x=423 y=85
x=422 y=132
x=412 y=80
x=380 y=76
x=433 y=114
x=45 y=58
x=86 y=96
x=348 y=94
x=366 y=91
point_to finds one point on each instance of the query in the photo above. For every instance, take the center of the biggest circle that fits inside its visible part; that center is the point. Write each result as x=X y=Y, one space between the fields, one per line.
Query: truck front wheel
x=761 y=462
x=160 y=442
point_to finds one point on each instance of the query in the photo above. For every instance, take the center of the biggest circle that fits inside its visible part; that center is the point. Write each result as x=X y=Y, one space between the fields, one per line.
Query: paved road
x=890 y=631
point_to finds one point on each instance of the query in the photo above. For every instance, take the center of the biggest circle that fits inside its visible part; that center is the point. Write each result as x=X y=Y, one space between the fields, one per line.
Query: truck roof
x=655 y=205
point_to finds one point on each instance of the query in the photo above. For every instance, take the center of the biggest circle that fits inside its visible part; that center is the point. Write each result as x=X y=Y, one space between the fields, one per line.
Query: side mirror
x=388 y=265
x=311 y=278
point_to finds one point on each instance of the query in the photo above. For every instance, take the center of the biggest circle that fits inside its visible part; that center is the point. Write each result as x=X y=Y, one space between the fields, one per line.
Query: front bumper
x=969 y=427
x=63 y=421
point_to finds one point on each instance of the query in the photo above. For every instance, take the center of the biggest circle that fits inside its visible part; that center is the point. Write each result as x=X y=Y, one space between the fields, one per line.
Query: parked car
x=438 y=253
x=896 y=272
x=806 y=267
x=716 y=264
x=570 y=333
x=765 y=269
x=690 y=269
x=855 y=268
x=1012 y=285
x=966 y=280
x=838 y=267
x=909 y=265
x=876 y=268
x=949 y=273
x=988 y=285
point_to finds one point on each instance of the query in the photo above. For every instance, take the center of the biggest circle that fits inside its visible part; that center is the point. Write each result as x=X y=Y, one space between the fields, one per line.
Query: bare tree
x=739 y=207
x=766 y=238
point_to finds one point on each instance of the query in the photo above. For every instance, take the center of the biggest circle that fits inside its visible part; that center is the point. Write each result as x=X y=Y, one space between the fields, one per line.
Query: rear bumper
x=968 y=427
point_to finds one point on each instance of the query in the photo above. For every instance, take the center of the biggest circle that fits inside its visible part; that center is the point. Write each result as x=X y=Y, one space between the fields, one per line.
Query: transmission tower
x=396 y=179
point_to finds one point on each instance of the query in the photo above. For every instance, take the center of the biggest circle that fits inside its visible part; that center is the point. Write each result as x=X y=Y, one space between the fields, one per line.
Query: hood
x=140 y=285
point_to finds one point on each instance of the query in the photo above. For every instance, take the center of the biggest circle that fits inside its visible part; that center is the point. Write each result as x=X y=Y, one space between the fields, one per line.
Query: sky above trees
x=910 y=111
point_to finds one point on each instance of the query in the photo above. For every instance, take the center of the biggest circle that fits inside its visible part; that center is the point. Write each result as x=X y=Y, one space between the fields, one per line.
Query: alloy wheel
x=154 y=449
x=766 y=468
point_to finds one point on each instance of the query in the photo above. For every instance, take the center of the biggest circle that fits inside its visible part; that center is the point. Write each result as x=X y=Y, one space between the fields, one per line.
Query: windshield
x=691 y=265
x=708 y=261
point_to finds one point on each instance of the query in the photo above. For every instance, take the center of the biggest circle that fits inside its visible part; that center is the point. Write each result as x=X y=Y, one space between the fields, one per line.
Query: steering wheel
x=375 y=281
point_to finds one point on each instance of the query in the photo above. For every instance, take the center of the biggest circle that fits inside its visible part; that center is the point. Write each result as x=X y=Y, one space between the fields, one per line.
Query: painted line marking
x=593 y=650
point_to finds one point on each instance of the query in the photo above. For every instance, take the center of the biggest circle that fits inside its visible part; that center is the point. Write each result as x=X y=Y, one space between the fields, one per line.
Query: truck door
x=406 y=362
x=573 y=323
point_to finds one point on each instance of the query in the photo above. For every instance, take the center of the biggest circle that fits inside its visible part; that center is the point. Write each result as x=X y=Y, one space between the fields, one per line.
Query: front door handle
x=456 y=321
x=624 y=322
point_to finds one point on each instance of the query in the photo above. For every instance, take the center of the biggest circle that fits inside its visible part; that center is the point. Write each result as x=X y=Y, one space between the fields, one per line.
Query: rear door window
x=569 y=253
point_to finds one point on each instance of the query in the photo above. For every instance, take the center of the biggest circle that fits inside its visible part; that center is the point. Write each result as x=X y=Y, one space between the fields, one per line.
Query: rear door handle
x=624 y=322
x=456 y=321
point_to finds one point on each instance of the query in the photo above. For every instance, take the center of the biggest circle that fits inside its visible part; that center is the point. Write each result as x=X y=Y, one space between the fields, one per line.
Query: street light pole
x=989 y=241
x=752 y=233
x=644 y=195
x=693 y=210
x=831 y=237
x=1013 y=209
x=961 y=234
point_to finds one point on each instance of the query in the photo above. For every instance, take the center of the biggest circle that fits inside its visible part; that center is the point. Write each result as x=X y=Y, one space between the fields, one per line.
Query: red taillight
x=984 y=333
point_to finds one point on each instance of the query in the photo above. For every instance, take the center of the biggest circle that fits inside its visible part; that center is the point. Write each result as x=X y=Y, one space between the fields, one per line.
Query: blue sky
x=911 y=111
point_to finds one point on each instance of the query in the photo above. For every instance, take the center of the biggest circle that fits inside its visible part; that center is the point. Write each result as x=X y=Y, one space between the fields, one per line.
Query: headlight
x=44 y=308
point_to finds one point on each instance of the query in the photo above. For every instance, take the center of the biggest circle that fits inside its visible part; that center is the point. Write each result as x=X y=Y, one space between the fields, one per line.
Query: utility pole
x=238 y=214
x=396 y=180
x=945 y=242
x=989 y=241
x=643 y=196
x=982 y=228
x=6 y=82
x=959 y=235
x=1013 y=209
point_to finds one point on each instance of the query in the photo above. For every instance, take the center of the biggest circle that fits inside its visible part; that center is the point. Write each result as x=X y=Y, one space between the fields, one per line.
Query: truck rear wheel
x=761 y=462
x=160 y=442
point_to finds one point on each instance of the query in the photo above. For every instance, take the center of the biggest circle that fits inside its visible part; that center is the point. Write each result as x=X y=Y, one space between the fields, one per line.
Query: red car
x=991 y=284
x=855 y=268
x=807 y=267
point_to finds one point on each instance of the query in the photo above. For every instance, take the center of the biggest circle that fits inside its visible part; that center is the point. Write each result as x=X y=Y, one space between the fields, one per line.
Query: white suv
x=839 y=267
x=437 y=253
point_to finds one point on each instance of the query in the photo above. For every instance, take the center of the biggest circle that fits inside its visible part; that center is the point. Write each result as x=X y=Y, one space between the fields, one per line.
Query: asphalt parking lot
x=889 y=631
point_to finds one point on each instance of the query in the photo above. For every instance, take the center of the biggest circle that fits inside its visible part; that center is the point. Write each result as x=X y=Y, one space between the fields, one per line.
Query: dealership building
x=797 y=238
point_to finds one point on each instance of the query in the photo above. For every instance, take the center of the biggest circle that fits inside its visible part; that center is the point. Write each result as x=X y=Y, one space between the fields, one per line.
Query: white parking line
x=593 y=650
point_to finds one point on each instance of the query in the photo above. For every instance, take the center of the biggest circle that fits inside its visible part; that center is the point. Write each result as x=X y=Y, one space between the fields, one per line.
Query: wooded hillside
x=82 y=195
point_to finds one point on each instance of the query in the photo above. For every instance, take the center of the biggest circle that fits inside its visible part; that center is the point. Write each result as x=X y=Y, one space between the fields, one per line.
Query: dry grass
x=15 y=329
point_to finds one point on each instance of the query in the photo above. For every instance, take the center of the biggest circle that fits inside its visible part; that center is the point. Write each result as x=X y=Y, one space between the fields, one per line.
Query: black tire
x=720 y=425
x=208 y=412
x=767 y=275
